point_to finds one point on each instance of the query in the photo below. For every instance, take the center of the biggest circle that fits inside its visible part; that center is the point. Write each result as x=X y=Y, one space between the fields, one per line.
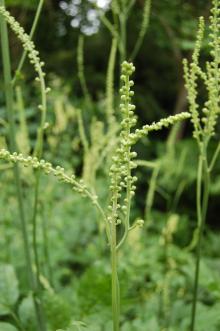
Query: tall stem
x=203 y=181
x=115 y=281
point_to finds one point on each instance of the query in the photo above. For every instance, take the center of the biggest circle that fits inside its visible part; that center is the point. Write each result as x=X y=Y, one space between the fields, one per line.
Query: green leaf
x=75 y=326
x=208 y=318
x=57 y=311
x=79 y=325
x=7 y=327
x=27 y=313
x=8 y=289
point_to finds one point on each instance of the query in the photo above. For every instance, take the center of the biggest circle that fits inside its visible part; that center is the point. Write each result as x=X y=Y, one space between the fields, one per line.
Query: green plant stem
x=33 y=29
x=25 y=144
x=38 y=299
x=81 y=72
x=47 y=260
x=130 y=6
x=148 y=164
x=34 y=231
x=214 y=158
x=82 y=132
x=105 y=21
x=115 y=291
x=151 y=193
x=17 y=321
x=115 y=281
x=38 y=152
x=203 y=182
x=143 y=30
x=123 y=48
x=110 y=84
x=10 y=114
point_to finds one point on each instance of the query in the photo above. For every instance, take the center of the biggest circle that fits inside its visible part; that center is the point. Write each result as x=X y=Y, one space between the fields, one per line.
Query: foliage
x=129 y=197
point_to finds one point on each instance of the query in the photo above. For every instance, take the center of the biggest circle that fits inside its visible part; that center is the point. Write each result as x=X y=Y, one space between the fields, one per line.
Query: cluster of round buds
x=192 y=72
x=191 y=76
x=33 y=56
x=211 y=107
x=123 y=161
x=126 y=93
x=204 y=124
x=47 y=168
x=214 y=30
x=163 y=123
x=139 y=223
x=28 y=45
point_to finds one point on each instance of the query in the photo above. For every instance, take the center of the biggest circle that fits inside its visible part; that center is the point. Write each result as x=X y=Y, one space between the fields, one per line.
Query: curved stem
x=144 y=27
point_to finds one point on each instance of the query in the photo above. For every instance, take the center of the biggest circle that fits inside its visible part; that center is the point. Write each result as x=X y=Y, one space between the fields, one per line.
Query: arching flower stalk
x=204 y=119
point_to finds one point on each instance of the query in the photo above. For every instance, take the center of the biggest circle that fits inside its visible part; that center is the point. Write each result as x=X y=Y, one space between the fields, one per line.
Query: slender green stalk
x=38 y=152
x=203 y=184
x=115 y=281
x=143 y=30
x=10 y=114
x=108 y=25
x=24 y=144
x=123 y=32
x=82 y=132
x=17 y=321
x=38 y=299
x=46 y=250
x=130 y=6
x=81 y=73
x=34 y=230
x=110 y=84
x=148 y=164
x=151 y=193
x=204 y=126
x=33 y=29
x=214 y=158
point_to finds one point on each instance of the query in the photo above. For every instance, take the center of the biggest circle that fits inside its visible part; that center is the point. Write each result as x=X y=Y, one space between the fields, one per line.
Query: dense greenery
x=127 y=236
